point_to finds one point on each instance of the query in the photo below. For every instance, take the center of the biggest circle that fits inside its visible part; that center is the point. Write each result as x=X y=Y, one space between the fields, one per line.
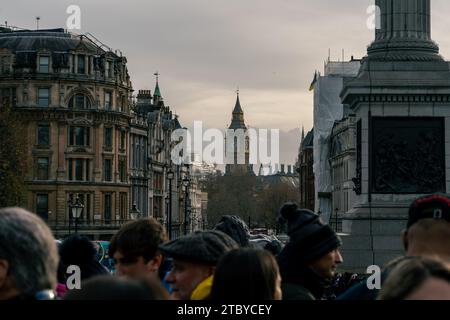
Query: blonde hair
x=409 y=274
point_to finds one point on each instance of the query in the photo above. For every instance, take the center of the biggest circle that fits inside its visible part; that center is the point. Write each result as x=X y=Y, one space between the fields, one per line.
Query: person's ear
x=405 y=239
x=4 y=268
x=155 y=262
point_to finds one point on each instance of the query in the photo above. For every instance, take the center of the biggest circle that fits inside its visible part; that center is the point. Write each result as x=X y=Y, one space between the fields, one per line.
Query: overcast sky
x=204 y=49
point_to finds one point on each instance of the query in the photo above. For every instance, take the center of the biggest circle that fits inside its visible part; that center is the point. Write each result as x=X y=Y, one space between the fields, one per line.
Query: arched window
x=79 y=101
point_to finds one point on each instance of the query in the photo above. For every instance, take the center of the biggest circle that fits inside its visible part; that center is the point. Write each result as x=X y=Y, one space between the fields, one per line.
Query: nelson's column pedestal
x=401 y=98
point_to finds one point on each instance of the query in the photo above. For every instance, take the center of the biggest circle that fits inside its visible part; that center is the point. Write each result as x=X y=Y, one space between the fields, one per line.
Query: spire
x=261 y=170
x=157 y=92
x=303 y=133
x=237 y=122
x=237 y=107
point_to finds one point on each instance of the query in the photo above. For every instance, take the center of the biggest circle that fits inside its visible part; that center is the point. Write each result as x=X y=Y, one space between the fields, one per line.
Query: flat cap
x=204 y=247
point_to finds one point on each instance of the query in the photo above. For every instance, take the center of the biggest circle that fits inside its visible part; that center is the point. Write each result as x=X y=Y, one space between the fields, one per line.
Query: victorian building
x=304 y=168
x=73 y=94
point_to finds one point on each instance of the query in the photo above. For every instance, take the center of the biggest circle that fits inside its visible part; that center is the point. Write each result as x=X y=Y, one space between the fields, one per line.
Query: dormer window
x=5 y=66
x=44 y=64
x=81 y=64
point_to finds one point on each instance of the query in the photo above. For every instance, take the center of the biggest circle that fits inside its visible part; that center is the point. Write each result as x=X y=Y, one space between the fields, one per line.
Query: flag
x=313 y=83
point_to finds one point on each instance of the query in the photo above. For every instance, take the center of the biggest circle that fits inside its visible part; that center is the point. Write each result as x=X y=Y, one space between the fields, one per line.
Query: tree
x=231 y=195
x=13 y=157
x=271 y=199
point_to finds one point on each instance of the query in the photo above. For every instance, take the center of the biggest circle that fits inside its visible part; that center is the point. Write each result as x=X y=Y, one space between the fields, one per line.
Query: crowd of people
x=221 y=264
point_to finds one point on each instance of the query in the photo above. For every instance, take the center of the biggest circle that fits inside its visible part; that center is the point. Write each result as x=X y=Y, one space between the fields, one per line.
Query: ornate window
x=79 y=136
x=44 y=64
x=42 y=168
x=108 y=137
x=81 y=64
x=79 y=101
x=43 y=135
x=43 y=97
x=107 y=170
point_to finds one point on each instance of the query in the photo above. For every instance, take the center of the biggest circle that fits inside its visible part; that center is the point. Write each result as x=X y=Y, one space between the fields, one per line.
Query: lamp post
x=170 y=176
x=76 y=209
x=134 y=212
x=186 y=183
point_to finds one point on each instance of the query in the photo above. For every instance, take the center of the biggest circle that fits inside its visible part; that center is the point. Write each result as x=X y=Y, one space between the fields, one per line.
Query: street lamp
x=134 y=212
x=170 y=176
x=186 y=183
x=76 y=208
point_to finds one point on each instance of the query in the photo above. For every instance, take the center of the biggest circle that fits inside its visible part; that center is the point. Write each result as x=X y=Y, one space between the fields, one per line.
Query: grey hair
x=28 y=245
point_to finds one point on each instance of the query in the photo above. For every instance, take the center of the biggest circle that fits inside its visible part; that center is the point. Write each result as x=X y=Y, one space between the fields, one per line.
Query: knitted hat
x=435 y=206
x=309 y=237
x=204 y=247
x=235 y=228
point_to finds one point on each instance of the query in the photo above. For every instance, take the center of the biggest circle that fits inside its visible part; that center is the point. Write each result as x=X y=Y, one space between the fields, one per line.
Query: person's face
x=135 y=267
x=326 y=266
x=431 y=289
x=185 y=276
x=278 y=293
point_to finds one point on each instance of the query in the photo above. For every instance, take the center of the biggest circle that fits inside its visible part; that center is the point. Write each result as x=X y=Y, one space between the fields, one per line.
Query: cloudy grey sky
x=204 y=49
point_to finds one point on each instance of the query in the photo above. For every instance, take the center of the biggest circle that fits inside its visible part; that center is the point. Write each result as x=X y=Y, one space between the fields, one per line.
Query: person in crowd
x=135 y=248
x=120 y=288
x=247 y=275
x=417 y=278
x=309 y=260
x=28 y=257
x=194 y=261
x=426 y=235
x=79 y=251
x=236 y=228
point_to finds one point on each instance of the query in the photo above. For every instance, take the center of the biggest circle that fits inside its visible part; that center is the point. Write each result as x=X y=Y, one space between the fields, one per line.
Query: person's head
x=236 y=228
x=417 y=278
x=247 y=275
x=194 y=259
x=28 y=254
x=428 y=228
x=80 y=251
x=134 y=247
x=311 y=242
x=119 y=288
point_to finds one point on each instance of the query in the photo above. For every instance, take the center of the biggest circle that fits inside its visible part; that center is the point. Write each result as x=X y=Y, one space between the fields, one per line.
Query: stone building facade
x=401 y=102
x=304 y=168
x=73 y=95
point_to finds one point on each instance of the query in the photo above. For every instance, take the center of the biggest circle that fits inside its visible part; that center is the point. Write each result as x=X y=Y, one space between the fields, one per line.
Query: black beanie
x=309 y=237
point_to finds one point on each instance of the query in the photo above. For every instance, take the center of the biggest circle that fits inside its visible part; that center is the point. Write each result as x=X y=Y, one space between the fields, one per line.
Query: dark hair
x=409 y=273
x=138 y=238
x=80 y=251
x=119 y=288
x=245 y=275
